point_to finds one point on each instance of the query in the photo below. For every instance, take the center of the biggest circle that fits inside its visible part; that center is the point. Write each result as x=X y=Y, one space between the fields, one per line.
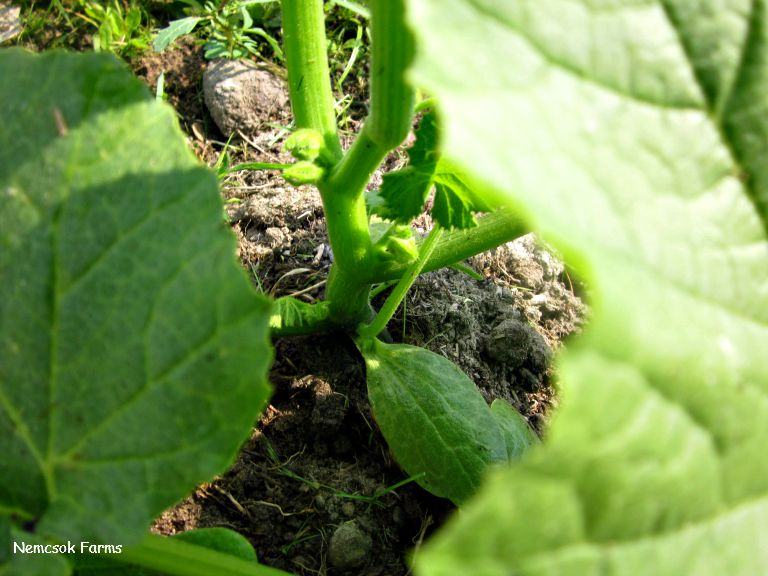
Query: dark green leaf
x=32 y=563
x=456 y=197
x=292 y=316
x=219 y=539
x=404 y=192
x=518 y=436
x=433 y=417
x=133 y=352
x=5 y=539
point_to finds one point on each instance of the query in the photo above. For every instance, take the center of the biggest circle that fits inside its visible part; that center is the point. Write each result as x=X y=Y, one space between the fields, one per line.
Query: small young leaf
x=433 y=417
x=292 y=316
x=404 y=192
x=518 y=436
x=304 y=144
x=173 y=31
x=303 y=172
x=393 y=241
x=402 y=250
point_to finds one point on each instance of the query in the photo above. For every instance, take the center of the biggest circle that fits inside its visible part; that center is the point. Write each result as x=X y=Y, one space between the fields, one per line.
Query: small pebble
x=348 y=509
x=349 y=547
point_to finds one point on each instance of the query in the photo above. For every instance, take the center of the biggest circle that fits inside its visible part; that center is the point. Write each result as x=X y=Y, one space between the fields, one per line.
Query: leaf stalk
x=396 y=297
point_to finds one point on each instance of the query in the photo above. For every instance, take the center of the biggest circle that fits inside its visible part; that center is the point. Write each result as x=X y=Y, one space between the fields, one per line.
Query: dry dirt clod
x=349 y=547
x=516 y=343
x=243 y=96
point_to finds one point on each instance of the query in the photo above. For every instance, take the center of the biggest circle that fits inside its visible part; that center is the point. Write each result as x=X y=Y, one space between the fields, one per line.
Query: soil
x=315 y=488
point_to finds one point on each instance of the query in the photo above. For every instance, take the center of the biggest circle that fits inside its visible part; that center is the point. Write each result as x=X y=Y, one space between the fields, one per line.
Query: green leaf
x=133 y=352
x=393 y=241
x=292 y=316
x=175 y=30
x=222 y=540
x=634 y=135
x=518 y=436
x=304 y=144
x=219 y=539
x=456 y=197
x=303 y=172
x=16 y=563
x=5 y=539
x=404 y=192
x=433 y=417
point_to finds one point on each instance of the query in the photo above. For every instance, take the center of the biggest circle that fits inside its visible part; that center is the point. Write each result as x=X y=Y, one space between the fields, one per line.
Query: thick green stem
x=494 y=229
x=396 y=297
x=392 y=49
x=347 y=223
x=308 y=77
x=348 y=298
x=342 y=190
x=177 y=558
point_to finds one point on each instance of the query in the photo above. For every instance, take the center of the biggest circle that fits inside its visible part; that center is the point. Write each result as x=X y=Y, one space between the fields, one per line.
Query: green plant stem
x=342 y=191
x=382 y=287
x=257 y=166
x=344 y=201
x=178 y=558
x=308 y=76
x=347 y=222
x=392 y=49
x=494 y=229
x=350 y=294
x=396 y=297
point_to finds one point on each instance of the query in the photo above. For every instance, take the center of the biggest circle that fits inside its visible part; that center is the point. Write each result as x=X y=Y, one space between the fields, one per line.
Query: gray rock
x=349 y=547
x=10 y=22
x=243 y=96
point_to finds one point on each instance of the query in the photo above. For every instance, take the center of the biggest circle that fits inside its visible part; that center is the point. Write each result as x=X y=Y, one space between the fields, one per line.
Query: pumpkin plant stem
x=396 y=297
x=342 y=191
x=385 y=128
x=309 y=80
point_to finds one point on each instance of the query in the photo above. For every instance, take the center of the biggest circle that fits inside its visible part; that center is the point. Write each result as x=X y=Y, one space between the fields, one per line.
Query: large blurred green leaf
x=133 y=353
x=635 y=133
x=33 y=563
